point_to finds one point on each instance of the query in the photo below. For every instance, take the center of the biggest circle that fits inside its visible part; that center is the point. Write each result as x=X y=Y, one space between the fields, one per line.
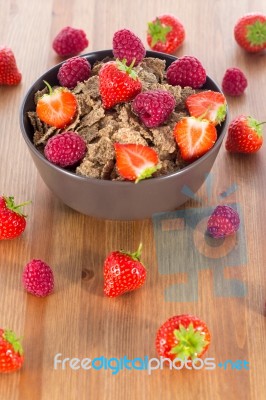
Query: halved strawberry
x=194 y=137
x=135 y=161
x=57 y=108
x=209 y=105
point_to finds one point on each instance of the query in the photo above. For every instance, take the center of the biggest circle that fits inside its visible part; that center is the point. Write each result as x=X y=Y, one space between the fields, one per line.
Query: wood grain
x=77 y=320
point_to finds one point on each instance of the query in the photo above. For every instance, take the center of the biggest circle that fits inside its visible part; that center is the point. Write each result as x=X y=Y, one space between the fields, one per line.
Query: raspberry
x=126 y=45
x=38 y=278
x=223 y=222
x=74 y=70
x=65 y=149
x=70 y=42
x=234 y=82
x=186 y=71
x=153 y=107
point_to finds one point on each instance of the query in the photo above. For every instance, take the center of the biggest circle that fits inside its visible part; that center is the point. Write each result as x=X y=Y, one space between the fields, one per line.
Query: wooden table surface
x=77 y=320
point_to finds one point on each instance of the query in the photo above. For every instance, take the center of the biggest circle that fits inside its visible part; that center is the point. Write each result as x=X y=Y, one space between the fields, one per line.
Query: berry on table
x=165 y=34
x=250 y=32
x=38 y=278
x=244 y=135
x=12 y=219
x=126 y=45
x=183 y=337
x=70 y=42
x=11 y=352
x=74 y=70
x=9 y=73
x=234 y=82
x=123 y=272
x=153 y=107
x=223 y=222
x=65 y=149
x=186 y=71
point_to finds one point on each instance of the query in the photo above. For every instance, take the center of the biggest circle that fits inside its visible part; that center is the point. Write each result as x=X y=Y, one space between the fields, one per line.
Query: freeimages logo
x=143 y=364
x=181 y=235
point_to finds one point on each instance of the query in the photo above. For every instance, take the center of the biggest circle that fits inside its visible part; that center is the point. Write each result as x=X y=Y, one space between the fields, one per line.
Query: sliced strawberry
x=57 y=108
x=135 y=161
x=194 y=137
x=209 y=105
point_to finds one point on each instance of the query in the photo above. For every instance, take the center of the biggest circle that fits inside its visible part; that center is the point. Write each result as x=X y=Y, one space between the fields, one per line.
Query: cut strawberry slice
x=57 y=108
x=194 y=137
x=135 y=161
x=209 y=105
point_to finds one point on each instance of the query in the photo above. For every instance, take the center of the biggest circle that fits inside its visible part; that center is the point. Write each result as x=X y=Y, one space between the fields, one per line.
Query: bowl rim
x=150 y=181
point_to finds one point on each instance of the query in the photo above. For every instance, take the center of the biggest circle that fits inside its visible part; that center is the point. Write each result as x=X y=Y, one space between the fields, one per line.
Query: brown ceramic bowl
x=114 y=199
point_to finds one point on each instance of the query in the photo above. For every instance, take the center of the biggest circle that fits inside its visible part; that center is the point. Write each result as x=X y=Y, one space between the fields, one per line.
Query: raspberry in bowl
x=97 y=184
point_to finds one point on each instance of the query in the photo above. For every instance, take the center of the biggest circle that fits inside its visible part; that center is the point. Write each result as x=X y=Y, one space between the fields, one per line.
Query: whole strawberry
x=118 y=83
x=126 y=45
x=38 y=278
x=244 y=135
x=186 y=71
x=12 y=220
x=11 y=352
x=165 y=34
x=153 y=107
x=183 y=337
x=234 y=82
x=9 y=73
x=65 y=149
x=223 y=222
x=123 y=272
x=74 y=70
x=70 y=42
x=250 y=32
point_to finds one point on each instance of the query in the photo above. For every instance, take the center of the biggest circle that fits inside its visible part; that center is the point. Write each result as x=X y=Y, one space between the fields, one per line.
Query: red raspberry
x=234 y=82
x=126 y=45
x=65 y=149
x=153 y=107
x=186 y=71
x=223 y=222
x=38 y=278
x=74 y=70
x=70 y=42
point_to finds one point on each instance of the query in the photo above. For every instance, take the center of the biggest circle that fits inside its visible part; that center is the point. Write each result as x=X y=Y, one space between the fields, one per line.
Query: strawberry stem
x=49 y=87
x=122 y=66
x=11 y=338
x=136 y=255
x=191 y=342
x=12 y=206
x=158 y=31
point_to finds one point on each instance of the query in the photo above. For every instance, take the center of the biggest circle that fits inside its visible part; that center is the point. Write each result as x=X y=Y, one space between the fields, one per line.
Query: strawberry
x=165 y=34
x=185 y=337
x=57 y=108
x=194 y=137
x=11 y=352
x=12 y=220
x=244 y=135
x=136 y=161
x=123 y=272
x=250 y=32
x=9 y=73
x=209 y=105
x=118 y=83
